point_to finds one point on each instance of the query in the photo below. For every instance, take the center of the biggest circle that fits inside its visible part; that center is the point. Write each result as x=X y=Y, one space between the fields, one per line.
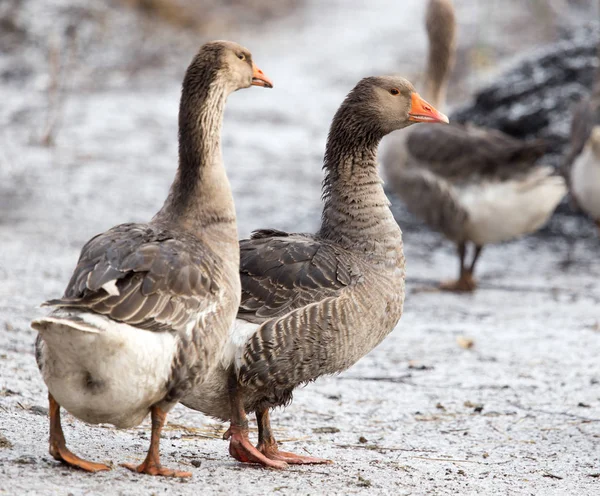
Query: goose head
x=238 y=65
x=225 y=62
x=384 y=104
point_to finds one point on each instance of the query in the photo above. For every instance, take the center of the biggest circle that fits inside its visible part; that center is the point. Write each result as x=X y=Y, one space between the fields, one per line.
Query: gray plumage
x=174 y=276
x=319 y=302
x=586 y=115
x=581 y=166
x=441 y=160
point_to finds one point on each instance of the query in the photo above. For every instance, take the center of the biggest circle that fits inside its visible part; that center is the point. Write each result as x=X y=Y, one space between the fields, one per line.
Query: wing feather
x=164 y=278
x=283 y=272
x=459 y=152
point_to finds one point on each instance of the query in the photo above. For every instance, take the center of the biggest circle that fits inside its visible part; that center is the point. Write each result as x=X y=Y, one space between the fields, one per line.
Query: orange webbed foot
x=61 y=453
x=153 y=469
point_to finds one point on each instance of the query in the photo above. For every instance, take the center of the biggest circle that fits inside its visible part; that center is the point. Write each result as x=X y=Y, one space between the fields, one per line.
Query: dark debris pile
x=535 y=98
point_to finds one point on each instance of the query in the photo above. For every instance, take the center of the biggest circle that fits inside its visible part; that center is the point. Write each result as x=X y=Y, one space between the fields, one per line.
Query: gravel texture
x=494 y=393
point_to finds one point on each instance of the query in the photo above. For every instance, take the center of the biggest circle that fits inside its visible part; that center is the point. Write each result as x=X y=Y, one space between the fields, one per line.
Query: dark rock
x=325 y=430
x=38 y=410
x=535 y=98
x=5 y=442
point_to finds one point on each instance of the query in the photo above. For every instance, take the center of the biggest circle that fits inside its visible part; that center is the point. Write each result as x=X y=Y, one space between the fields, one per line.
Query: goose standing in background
x=149 y=306
x=314 y=304
x=473 y=185
x=582 y=163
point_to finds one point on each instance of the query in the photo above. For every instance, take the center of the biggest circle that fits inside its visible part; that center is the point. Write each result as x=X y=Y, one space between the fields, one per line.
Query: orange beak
x=421 y=111
x=259 y=78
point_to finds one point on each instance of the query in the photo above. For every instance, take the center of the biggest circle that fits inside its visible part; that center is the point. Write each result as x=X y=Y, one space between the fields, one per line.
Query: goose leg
x=58 y=447
x=465 y=282
x=267 y=444
x=151 y=465
x=478 y=250
x=240 y=447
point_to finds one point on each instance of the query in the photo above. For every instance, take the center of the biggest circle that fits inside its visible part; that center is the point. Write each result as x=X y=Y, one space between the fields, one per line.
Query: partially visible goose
x=313 y=304
x=149 y=306
x=582 y=163
x=473 y=185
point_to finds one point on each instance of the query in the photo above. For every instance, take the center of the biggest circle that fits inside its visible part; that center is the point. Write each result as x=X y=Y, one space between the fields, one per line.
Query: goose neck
x=200 y=197
x=356 y=211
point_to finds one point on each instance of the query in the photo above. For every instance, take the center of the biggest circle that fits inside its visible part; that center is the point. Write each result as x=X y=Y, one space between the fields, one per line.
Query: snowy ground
x=517 y=413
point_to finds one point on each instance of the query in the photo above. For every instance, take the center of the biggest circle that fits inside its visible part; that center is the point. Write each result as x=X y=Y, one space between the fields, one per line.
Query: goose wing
x=145 y=276
x=461 y=153
x=281 y=272
x=300 y=292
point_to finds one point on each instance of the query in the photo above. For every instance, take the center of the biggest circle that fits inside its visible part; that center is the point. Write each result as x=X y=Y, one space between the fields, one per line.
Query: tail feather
x=541 y=176
x=74 y=320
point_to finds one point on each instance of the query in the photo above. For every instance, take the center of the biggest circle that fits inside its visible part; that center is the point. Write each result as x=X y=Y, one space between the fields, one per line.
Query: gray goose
x=313 y=304
x=473 y=185
x=149 y=306
x=582 y=163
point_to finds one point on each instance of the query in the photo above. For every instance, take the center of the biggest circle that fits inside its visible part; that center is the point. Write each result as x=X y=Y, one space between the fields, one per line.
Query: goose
x=313 y=304
x=149 y=306
x=475 y=186
x=582 y=163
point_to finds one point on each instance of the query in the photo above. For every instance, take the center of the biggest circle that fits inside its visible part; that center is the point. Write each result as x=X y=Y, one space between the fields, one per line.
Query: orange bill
x=421 y=111
x=259 y=78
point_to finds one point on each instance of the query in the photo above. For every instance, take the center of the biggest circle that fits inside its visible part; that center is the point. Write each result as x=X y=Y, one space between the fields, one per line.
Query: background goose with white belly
x=473 y=185
x=149 y=306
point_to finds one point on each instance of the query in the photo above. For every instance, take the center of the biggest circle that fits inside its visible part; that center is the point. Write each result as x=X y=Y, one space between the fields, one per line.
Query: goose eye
x=395 y=91
x=241 y=56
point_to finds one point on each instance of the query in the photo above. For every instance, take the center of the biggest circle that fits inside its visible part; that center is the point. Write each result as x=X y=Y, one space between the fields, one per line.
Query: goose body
x=585 y=177
x=149 y=306
x=582 y=161
x=145 y=312
x=473 y=185
x=314 y=304
x=307 y=310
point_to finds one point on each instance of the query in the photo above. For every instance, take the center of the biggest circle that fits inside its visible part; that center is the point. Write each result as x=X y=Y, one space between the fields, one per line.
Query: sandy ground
x=517 y=413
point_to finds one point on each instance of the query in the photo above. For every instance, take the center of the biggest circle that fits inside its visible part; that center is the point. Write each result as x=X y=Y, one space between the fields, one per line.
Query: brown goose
x=473 y=185
x=149 y=306
x=582 y=163
x=313 y=304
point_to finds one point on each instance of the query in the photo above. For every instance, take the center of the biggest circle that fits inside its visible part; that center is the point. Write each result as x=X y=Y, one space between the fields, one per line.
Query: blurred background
x=90 y=95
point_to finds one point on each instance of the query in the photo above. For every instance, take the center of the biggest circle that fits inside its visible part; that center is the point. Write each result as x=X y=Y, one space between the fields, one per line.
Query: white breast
x=239 y=334
x=503 y=210
x=585 y=181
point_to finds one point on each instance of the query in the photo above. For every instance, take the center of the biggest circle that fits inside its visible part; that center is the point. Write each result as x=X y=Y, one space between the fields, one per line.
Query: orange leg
x=58 y=447
x=240 y=447
x=466 y=282
x=151 y=465
x=267 y=444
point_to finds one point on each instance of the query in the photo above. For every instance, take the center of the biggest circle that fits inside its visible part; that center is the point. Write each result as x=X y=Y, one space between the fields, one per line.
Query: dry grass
x=206 y=14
